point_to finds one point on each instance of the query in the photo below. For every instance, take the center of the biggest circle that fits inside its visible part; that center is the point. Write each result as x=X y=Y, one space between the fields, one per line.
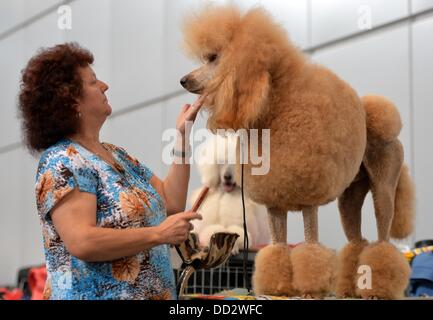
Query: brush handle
x=200 y=199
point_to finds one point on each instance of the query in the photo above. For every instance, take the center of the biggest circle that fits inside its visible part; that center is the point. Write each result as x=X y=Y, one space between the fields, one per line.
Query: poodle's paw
x=239 y=244
x=347 y=269
x=207 y=233
x=273 y=271
x=314 y=269
x=386 y=272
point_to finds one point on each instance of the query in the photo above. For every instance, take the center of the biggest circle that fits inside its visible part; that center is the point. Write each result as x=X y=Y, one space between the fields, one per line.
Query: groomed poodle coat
x=325 y=143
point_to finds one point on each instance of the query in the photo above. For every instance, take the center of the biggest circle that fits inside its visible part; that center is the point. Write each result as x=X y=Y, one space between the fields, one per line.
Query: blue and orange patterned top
x=124 y=200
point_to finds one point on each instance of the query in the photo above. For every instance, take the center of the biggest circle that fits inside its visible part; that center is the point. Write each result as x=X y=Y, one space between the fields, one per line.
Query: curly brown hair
x=49 y=91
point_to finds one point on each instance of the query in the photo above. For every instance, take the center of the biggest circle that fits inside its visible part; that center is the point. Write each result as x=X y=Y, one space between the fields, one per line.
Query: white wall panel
x=20 y=232
x=91 y=28
x=137 y=51
x=421 y=5
x=332 y=19
x=423 y=129
x=11 y=62
x=32 y=244
x=11 y=14
x=16 y=50
x=176 y=63
x=11 y=222
x=14 y=12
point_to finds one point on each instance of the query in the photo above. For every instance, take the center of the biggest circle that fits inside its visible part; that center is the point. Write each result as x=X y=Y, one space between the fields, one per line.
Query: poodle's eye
x=211 y=57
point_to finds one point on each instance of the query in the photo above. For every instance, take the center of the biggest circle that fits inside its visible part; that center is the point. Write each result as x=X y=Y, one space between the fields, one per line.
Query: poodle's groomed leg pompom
x=314 y=269
x=273 y=271
x=389 y=272
x=347 y=269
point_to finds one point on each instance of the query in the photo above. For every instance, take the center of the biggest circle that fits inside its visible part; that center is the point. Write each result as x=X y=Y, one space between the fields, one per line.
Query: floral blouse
x=124 y=200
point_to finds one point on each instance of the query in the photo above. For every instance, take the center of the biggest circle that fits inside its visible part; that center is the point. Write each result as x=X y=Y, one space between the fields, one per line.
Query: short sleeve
x=58 y=174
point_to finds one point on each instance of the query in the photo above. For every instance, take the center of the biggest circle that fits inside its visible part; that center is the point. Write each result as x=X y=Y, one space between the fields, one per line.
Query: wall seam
x=411 y=104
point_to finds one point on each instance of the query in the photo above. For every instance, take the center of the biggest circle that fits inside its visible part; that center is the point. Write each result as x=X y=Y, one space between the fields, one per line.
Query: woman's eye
x=212 y=57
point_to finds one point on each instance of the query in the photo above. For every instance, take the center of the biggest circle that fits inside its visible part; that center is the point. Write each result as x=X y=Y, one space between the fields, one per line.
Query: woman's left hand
x=188 y=113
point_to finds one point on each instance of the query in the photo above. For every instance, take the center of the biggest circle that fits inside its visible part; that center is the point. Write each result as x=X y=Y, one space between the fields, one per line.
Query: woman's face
x=93 y=103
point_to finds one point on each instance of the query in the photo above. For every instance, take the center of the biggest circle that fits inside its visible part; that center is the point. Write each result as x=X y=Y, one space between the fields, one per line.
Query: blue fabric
x=124 y=200
x=421 y=279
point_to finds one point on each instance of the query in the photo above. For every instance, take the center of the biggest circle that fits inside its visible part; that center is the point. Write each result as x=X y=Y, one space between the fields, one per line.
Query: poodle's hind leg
x=350 y=205
x=273 y=267
x=383 y=165
x=314 y=265
x=389 y=269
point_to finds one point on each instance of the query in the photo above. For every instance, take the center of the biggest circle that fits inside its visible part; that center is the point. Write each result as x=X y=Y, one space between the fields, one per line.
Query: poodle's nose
x=183 y=81
x=227 y=176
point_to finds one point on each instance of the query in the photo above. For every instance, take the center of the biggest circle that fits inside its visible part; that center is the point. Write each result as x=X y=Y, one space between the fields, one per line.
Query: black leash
x=246 y=240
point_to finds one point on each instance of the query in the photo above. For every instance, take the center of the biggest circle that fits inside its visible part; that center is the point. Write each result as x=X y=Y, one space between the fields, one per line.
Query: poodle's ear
x=243 y=85
x=253 y=91
x=242 y=94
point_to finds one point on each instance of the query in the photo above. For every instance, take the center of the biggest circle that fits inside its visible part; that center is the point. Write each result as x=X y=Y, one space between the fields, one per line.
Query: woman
x=106 y=218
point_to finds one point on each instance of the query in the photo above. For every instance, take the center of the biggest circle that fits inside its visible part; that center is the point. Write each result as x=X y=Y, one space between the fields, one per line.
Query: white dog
x=222 y=208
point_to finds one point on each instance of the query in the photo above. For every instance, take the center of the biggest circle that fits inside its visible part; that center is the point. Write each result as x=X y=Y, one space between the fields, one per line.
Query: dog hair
x=222 y=208
x=326 y=143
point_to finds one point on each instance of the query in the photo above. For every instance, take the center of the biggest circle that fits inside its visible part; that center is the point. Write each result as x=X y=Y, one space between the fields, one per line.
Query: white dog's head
x=216 y=163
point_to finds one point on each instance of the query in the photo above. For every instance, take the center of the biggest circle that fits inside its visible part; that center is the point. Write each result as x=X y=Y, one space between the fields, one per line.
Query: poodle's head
x=216 y=163
x=239 y=55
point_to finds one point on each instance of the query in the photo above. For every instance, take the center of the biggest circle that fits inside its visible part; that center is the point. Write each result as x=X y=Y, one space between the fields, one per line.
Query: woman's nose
x=104 y=86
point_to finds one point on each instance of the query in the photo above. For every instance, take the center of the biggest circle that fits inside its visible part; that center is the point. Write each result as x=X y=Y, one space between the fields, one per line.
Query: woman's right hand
x=174 y=230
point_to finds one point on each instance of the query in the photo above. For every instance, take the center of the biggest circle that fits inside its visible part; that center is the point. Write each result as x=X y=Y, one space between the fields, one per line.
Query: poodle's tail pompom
x=383 y=119
x=404 y=216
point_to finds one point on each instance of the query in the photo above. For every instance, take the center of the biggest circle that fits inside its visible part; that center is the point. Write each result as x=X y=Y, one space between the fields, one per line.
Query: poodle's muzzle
x=228 y=182
x=190 y=84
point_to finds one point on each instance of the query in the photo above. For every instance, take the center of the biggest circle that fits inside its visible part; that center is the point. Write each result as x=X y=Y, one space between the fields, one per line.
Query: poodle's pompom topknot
x=383 y=119
x=210 y=29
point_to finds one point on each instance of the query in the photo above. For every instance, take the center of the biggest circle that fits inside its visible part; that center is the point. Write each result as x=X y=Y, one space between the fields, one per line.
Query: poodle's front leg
x=350 y=205
x=314 y=265
x=278 y=225
x=311 y=228
x=273 y=268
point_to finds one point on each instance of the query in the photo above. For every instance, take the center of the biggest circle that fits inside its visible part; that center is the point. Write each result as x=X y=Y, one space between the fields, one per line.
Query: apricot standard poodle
x=326 y=143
